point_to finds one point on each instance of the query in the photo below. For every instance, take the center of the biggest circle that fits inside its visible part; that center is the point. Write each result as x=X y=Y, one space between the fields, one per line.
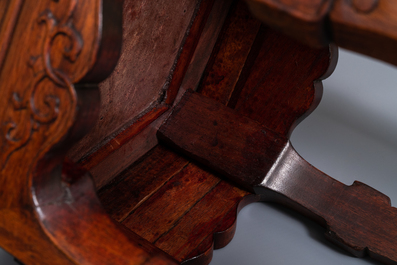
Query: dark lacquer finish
x=365 y=26
x=49 y=212
x=358 y=218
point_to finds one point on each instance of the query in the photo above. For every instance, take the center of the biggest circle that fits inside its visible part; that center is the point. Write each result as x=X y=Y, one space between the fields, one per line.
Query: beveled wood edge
x=222 y=238
x=318 y=86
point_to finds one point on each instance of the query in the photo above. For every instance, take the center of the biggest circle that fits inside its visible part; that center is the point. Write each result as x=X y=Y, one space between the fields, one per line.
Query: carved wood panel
x=56 y=44
x=9 y=11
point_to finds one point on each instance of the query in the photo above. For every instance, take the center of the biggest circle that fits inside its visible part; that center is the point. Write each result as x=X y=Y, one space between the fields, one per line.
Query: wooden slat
x=153 y=214
x=205 y=45
x=139 y=182
x=203 y=29
x=191 y=230
x=251 y=156
x=9 y=12
x=157 y=215
x=213 y=134
x=230 y=54
x=188 y=48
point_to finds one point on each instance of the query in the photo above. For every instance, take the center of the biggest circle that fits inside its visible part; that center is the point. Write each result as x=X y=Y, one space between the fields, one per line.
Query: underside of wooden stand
x=177 y=205
x=85 y=178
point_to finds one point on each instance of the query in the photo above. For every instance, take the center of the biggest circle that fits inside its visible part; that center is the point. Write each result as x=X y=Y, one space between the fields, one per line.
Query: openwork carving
x=36 y=105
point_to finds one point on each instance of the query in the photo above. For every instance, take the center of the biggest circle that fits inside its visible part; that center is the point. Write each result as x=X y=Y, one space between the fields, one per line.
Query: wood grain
x=138 y=182
x=346 y=211
x=175 y=229
x=221 y=72
x=305 y=20
x=9 y=12
x=264 y=162
x=298 y=92
x=152 y=36
x=221 y=223
x=205 y=46
x=206 y=137
x=49 y=213
x=43 y=202
x=135 y=138
x=368 y=26
x=157 y=215
x=178 y=193
x=186 y=235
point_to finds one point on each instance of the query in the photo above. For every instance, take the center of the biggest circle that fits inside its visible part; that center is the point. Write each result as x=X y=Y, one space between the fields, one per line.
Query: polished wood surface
x=85 y=90
x=172 y=202
x=366 y=26
x=262 y=161
x=108 y=155
x=49 y=213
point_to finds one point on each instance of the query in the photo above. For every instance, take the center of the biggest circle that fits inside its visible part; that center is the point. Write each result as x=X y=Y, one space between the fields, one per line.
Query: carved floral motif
x=35 y=107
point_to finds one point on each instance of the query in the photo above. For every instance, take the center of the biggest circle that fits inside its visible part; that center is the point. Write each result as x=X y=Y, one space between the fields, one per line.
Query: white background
x=351 y=136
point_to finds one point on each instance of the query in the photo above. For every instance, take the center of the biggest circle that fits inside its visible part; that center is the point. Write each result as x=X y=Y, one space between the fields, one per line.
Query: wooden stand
x=84 y=179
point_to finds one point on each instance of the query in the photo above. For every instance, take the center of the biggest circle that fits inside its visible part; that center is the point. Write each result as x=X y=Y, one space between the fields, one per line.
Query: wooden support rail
x=367 y=26
x=358 y=217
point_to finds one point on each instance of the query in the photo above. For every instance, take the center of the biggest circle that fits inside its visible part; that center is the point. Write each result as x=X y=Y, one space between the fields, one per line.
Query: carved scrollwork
x=37 y=106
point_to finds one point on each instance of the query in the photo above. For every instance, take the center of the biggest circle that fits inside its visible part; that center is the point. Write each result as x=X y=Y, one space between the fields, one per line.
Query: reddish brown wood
x=173 y=191
x=153 y=33
x=122 y=138
x=184 y=206
x=138 y=182
x=198 y=249
x=112 y=158
x=187 y=236
x=9 y=11
x=211 y=133
x=302 y=19
x=161 y=196
x=157 y=215
x=367 y=26
x=347 y=211
x=206 y=43
x=49 y=213
x=260 y=160
x=279 y=86
x=235 y=41
x=117 y=151
x=188 y=48
x=216 y=229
